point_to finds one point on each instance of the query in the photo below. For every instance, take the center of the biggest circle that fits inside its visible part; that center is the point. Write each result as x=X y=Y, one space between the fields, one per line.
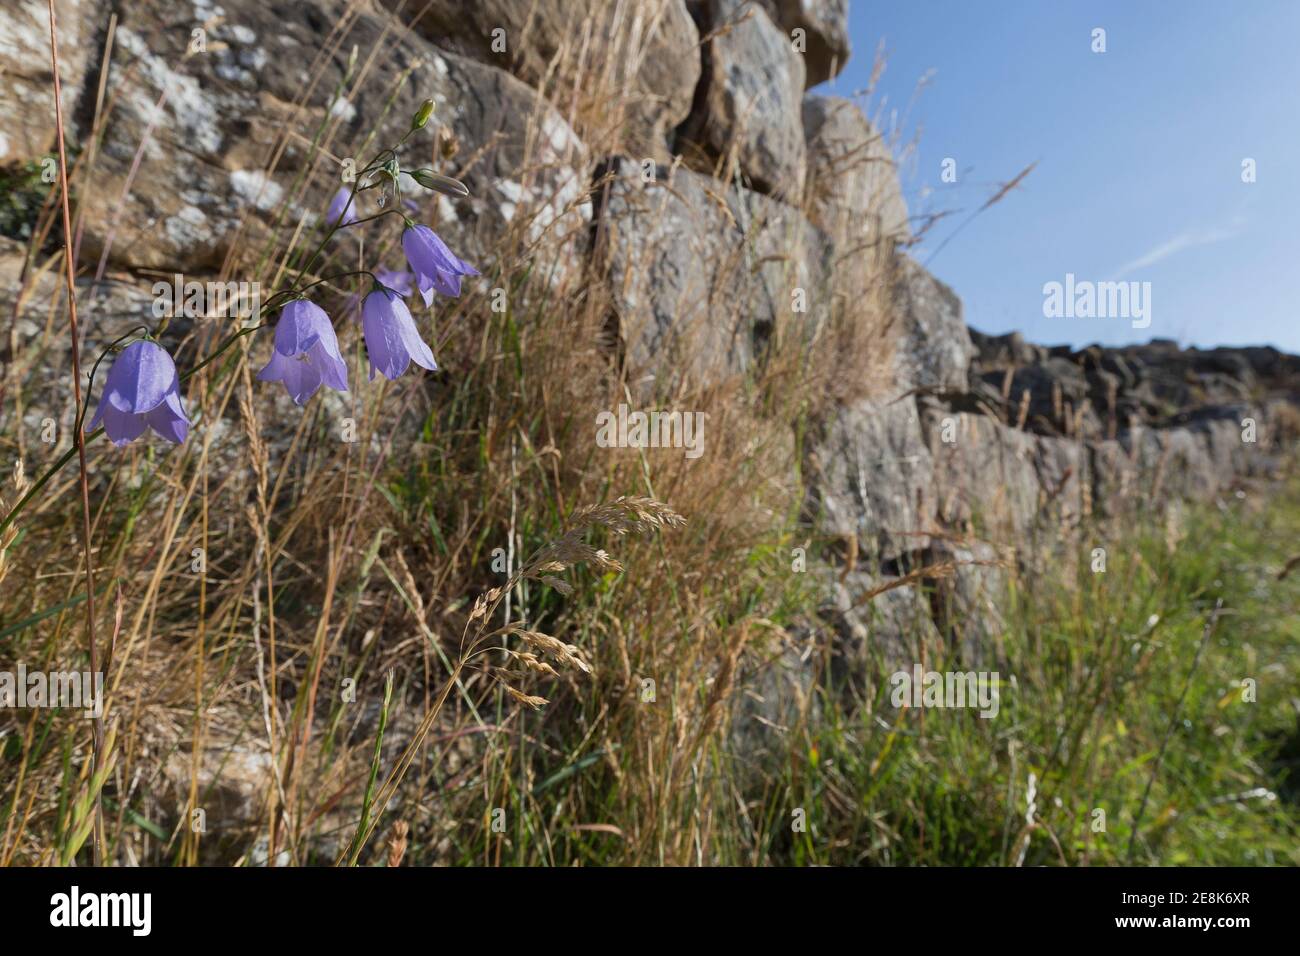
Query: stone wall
x=720 y=184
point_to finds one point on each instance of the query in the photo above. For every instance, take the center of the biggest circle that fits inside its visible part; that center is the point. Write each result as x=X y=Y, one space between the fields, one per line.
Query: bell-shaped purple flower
x=142 y=389
x=343 y=208
x=434 y=265
x=306 y=352
x=392 y=339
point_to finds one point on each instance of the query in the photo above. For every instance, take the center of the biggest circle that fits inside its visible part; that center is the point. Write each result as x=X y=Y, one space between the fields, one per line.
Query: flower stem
x=97 y=734
x=336 y=226
x=221 y=349
x=312 y=285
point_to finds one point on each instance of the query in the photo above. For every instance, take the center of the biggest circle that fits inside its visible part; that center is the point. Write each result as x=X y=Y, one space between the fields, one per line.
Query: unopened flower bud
x=422 y=115
x=443 y=184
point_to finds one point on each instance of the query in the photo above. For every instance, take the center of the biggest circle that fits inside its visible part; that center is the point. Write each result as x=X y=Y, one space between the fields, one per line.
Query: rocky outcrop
x=823 y=28
x=934 y=349
x=1155 y=384
x=27 y=121
x=1032 y=459
x=968 y=601
x=747 y=106
x=852 y=184
x=880 y=620
x=873 y=478
x=1018 y=455
x=243 y=180
x=1153 y=418
x=648 y=48
x=700 y=273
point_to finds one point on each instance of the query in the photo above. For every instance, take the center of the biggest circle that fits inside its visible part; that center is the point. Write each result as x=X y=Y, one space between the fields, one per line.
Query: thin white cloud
x=1188 y=239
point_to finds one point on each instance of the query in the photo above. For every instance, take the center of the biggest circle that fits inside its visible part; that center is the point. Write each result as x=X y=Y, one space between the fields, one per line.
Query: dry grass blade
x=624 y=516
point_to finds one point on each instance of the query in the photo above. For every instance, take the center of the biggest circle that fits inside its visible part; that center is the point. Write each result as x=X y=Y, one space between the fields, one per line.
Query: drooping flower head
x=434 y=265
x=143 y=389
x=392 y=340
x=306 y=352
x=343 y=208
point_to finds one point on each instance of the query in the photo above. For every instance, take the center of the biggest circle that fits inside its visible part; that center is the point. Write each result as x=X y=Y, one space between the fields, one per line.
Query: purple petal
x=447 y=283
x=434 y=264
x=331 y=368
x=98 y=417
x=302 y=322
x=140 y=378
x=427 y=284
x=434 y=252
x=416 y=347
x=166 y=423
x=341 y=208
x=379 y=324
x=300 y=378
x=173 y=401
x=121 y=427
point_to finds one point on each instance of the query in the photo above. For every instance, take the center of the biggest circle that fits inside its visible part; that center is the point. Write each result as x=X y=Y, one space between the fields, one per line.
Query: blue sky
x=1139 y=152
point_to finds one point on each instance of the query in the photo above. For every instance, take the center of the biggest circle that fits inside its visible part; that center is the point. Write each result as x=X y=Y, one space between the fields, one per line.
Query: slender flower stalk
x=97 y=735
